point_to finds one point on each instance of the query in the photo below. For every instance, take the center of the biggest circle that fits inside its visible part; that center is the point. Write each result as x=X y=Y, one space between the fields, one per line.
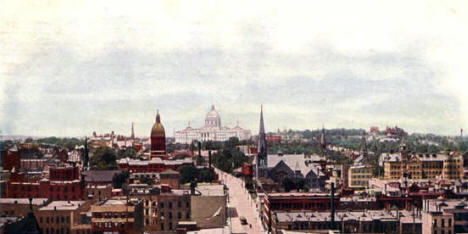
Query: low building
x=171 y=178
x=98 y=192
x=445 y=216
x=156 y=164
x=20 y=206
x=359 y=176
x=274 y=202
x=346 y=222
x=208 y=206
x=117 y=215
x=63 y=217
x=54 y=190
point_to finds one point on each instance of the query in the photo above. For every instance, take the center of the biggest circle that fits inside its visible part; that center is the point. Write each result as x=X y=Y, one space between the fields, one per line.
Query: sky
x=68 y=68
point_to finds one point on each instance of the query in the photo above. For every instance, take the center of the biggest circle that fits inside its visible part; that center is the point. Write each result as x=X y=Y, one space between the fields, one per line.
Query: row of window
x=111 y=215
x=57 y=219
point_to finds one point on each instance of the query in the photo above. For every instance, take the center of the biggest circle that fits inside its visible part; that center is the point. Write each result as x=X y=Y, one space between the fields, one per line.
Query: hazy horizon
x=70 y=68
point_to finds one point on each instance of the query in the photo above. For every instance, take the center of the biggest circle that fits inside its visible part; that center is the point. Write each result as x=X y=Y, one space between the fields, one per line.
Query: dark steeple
x=262 y=146
x=262 y=159
x=85 y=158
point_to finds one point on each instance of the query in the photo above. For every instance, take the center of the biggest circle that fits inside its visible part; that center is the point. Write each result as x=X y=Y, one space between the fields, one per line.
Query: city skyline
x=70 y=69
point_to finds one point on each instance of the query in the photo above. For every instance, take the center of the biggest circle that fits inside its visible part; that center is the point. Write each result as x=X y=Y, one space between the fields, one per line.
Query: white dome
x=212 y=118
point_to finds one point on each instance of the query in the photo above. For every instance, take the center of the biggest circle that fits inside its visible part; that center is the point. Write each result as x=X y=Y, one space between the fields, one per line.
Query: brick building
x=20 y=206
x=294 y=201
x=64 y=184
x=64 y=217
x=10 y=159
x=117 y=215
x=154 y=165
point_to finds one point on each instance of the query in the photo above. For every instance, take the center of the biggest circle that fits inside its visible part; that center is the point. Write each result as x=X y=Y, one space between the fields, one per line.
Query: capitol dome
x=212 y=118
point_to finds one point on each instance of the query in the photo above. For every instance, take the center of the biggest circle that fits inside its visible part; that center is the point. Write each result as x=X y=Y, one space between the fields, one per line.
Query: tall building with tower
x=158 y=139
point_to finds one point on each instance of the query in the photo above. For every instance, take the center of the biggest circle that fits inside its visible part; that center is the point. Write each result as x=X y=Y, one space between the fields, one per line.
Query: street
x=242 y=202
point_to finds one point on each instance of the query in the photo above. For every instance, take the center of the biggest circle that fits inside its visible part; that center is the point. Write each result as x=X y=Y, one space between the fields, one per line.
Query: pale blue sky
x=68 y=68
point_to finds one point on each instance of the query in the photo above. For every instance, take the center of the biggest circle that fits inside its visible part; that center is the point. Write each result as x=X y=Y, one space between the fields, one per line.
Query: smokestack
x=332 y=204
x=199 y=154
x=199 y=149
x=209 y=159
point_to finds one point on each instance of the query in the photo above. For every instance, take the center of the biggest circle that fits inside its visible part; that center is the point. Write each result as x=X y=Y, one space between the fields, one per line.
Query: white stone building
x=211 y=131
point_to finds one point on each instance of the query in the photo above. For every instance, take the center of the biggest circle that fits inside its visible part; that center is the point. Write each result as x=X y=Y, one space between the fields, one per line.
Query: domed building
x=212 y=119
x=158 y=139
x=211 y=131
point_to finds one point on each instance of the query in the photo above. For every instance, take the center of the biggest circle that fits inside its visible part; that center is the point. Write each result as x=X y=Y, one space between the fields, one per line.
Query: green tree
x=146 y=180
x=119 y=179
x=188 y=174
x=206 y=176
x=127 y=153
x=103 y=158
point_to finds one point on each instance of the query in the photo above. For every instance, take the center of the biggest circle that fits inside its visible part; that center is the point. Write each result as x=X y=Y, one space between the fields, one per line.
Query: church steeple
x=262 y=157
x=133 y=133
x=323 y=141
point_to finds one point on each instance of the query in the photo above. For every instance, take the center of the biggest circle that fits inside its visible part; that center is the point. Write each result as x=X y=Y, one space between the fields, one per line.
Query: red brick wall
x=53 y=191
x=10 y=159
x=64 y=173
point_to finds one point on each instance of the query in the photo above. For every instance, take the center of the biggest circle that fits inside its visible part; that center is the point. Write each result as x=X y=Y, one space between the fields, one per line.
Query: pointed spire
x=323 y=142
x=364 y=147
x=158 y=118
x=262 y=127
x=212 y=107
x=133 y=132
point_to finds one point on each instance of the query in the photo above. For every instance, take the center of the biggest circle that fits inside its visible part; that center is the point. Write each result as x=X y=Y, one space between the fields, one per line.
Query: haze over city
x=68 y=69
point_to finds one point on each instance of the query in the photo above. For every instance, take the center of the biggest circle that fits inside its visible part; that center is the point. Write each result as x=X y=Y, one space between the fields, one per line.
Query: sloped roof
x=100 y=176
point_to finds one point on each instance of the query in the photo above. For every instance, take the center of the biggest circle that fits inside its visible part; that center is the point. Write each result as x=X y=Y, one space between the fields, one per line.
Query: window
x=179 y=215
x=179 y=204
x=442 y=224
x=450 y=222
x=40 y=220
x=170 y=226
x=170 y=205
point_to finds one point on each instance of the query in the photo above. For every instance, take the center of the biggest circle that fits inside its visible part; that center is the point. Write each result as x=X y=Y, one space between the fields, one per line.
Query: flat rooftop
x=23 y=201
x=63 y=205
x=211 y=190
